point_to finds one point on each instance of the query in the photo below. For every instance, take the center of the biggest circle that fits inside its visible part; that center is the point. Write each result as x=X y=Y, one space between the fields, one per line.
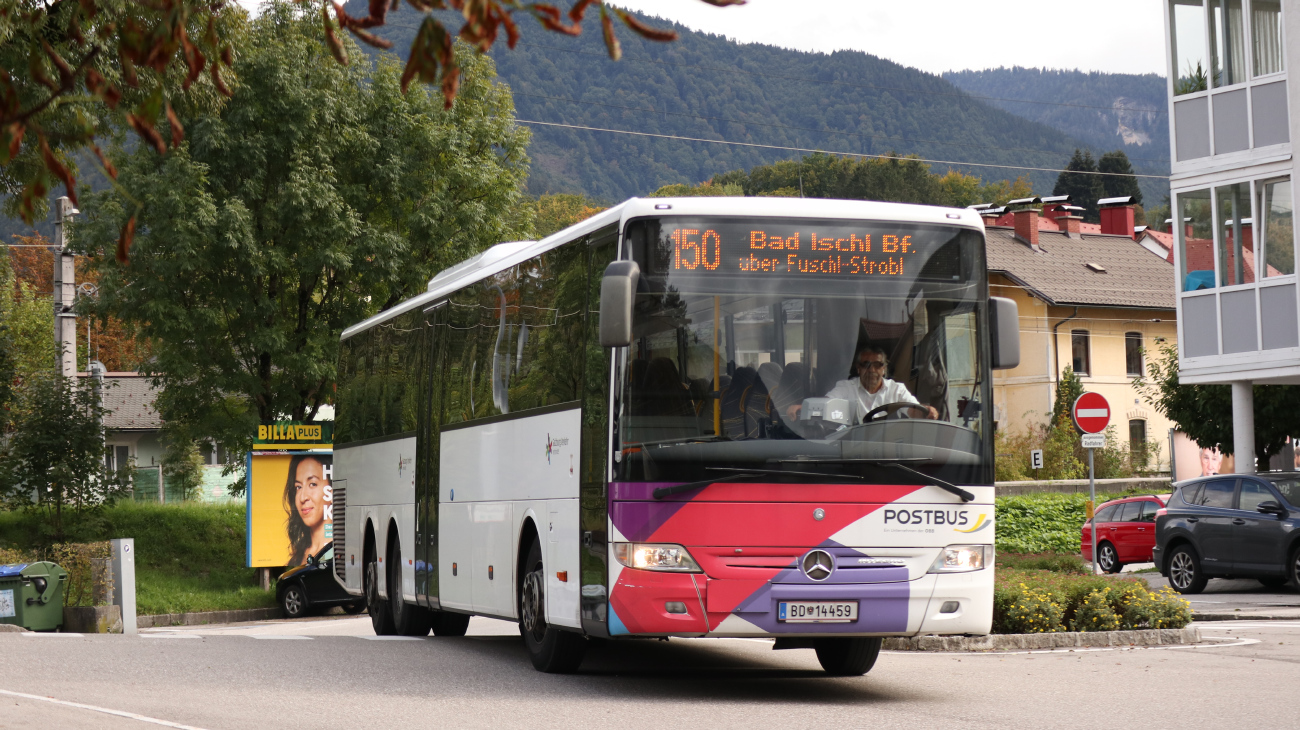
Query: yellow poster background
x=268 y=538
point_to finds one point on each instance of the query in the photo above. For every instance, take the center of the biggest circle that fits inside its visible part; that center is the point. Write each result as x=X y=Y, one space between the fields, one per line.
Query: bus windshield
x=850 y=349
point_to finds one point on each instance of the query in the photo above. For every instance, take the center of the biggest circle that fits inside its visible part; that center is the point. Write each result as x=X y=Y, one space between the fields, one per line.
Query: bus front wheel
x=851 y=657
x=552 y=650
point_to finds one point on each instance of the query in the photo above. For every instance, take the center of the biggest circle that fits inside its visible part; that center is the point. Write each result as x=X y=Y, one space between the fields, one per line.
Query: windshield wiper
x=662 y=492
x=900 y=463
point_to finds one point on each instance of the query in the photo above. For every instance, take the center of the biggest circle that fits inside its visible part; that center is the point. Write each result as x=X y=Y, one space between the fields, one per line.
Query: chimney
x=1025 y=219
x=1055 y=207
x=1071 y=225
x=1117 y=215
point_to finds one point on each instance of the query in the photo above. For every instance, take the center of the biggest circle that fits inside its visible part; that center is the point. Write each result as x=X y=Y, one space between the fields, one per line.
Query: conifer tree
x=1083 y=188
x=1121 y=181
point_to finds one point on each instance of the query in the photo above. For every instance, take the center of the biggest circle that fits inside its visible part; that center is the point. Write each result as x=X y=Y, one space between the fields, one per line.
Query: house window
x=1195 y=240
x=1276 y=233
x=1137 y=440
x=1236 y=244
x=1082 y=356
x=1227 y=42
x=1133 y=353
x=1187 y=41
x=1266 y=35
x=118 y=457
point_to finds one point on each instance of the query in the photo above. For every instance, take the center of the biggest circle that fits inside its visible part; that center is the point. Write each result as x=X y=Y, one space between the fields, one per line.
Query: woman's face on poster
x=310 y=482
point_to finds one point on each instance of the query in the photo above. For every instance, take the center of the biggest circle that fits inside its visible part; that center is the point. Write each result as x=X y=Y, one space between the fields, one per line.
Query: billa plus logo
x=553 y=446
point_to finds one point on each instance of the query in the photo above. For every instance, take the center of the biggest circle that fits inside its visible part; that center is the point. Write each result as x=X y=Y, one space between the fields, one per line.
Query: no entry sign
x=1091 y=413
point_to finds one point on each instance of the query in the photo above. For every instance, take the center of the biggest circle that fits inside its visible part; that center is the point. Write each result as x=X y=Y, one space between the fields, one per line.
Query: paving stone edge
x=1059 y=640
x=207 y=617
x=1244 y=617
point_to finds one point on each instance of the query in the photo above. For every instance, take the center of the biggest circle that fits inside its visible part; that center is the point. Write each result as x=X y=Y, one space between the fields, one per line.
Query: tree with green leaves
x=1119 y=178
x=319 y=195
x=1068 y=390
x=72 y=72
x=1082 y=184
x=1204 y=412
x=54 y=463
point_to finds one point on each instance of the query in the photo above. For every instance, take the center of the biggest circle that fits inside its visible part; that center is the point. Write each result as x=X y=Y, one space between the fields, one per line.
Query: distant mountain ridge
x=708 y=87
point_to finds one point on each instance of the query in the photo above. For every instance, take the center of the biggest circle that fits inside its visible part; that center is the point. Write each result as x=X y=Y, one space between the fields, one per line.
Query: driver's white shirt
x=862 y=402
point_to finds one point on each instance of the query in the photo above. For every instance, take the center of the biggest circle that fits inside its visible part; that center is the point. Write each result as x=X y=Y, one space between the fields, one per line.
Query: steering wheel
x=891 y=410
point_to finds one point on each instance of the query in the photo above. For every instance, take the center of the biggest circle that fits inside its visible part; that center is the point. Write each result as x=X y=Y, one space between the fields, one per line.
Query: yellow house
x=1095 y=301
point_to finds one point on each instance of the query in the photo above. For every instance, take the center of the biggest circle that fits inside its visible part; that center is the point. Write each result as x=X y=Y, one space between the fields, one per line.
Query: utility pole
x=65 y=290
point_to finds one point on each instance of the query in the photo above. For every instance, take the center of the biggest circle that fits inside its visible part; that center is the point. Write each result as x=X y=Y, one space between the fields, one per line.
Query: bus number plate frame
x=817 y=612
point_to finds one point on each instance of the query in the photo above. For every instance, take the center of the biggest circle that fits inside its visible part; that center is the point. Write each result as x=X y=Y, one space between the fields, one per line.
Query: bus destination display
x=759 y=249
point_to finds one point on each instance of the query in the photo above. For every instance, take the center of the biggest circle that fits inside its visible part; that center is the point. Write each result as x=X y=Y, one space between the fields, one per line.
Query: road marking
x=105 y=710
x=171 y=636
x=51 y=633
x=279 y=637
x=1218 y=643
x=391 y=638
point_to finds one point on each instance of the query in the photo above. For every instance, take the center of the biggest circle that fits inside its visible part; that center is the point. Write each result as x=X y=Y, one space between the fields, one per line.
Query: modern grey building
x=1231 y=127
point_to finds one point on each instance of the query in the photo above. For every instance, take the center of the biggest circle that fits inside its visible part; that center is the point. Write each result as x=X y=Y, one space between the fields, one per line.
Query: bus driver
x=871 y=389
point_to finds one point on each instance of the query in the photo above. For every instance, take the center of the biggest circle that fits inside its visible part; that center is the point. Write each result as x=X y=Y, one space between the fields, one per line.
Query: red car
x=1126 y=531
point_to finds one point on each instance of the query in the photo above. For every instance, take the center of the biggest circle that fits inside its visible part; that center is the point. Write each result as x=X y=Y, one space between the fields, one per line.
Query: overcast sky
x=1117 y=36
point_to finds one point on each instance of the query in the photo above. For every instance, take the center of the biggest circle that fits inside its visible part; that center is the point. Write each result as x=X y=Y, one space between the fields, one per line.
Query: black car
x=1231 y=526
x=306 y=588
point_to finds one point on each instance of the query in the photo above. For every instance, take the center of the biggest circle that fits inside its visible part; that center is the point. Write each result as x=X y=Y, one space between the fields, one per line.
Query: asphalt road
x=327 y=673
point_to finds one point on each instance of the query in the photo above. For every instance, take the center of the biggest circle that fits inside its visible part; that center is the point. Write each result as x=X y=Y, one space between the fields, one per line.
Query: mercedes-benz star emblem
x=818 y=565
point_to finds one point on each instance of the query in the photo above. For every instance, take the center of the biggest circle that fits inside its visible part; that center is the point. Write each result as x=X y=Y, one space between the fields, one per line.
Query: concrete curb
x=208 y=617
x=1243 y=617
x=1058 y=640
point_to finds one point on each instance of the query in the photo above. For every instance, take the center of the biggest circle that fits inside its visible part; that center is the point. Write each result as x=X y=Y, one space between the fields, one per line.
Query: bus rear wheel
x=381 y=619
x=446 y=623
x=552 y=650
x=408 y=620
x=852 y=657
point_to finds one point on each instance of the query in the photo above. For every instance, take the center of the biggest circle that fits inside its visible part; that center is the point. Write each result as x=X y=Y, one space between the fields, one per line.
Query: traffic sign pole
x=1091 y=413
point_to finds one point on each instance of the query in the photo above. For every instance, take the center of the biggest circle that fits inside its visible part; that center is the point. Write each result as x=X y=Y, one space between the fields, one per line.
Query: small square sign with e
x=1036 y=459
x=1094 y=440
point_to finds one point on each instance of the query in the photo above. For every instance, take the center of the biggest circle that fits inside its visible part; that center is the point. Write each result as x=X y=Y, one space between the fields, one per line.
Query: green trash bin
x=31 y=595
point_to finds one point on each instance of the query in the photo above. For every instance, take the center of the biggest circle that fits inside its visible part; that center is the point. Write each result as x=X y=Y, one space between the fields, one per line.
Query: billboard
x=290 y=507
x=1191 y=461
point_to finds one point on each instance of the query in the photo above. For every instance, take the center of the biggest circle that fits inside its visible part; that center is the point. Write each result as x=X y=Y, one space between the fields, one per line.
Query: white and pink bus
x=697 y=417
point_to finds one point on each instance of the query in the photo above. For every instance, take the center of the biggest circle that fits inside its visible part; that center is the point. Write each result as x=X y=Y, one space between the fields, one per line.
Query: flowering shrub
x=1095 y=614
x=1036 y=601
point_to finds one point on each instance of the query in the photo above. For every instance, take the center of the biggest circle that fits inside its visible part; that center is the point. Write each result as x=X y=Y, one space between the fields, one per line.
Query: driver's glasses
x=873 y=365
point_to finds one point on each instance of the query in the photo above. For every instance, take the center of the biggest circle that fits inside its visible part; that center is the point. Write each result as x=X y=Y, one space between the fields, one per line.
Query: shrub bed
x=1042 y=523
x=1028 y=601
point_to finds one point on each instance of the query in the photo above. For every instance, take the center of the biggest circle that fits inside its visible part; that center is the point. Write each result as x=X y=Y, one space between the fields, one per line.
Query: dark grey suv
x=1231 y=526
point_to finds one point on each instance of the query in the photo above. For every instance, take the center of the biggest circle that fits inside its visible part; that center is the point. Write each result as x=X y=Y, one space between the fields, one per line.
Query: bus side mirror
x=1004 y=332
x=617 y=291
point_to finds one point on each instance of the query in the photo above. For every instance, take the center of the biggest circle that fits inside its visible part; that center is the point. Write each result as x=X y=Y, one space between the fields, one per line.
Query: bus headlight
x=655 y=557
x=962 y=558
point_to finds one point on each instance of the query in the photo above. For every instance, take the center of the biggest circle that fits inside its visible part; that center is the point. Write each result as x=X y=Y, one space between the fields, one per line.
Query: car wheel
x=408 y=620
x=446 y=623
x=1185 y=573
x=380 y=617
x=1273 y=582
x=294 y=601
x=354 y=608
x=1108 y=559
x=552 y=650
x=852 y=657
x=1294 y=569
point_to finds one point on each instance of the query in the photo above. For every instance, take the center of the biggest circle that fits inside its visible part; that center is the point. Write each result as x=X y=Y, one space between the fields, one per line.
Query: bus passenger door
x=429 y=369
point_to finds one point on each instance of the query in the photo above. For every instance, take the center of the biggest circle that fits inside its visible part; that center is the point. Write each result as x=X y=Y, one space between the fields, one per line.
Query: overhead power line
x=960 y=95
x=804 y=129
x=901 y=158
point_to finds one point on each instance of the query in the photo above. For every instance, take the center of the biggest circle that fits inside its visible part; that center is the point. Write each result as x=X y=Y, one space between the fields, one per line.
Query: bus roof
x=504 y=255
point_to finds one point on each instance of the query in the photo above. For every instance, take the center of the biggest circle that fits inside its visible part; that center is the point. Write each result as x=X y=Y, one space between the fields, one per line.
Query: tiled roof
x=1059 y=272
x=130 y=397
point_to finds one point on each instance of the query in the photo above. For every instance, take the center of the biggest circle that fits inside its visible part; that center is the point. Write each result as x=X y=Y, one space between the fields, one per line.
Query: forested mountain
x=707 y=87
x=1103 y=111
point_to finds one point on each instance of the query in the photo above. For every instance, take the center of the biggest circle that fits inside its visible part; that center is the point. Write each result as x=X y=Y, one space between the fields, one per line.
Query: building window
x=1236 y=247
x=1276 y=233
x=1082 y=357
x=1137 y=441
x=118 y=457
x=1187 y=41
x=1227 y=42
x=1195 y=240
x=1266 y=35
x=1133 y=353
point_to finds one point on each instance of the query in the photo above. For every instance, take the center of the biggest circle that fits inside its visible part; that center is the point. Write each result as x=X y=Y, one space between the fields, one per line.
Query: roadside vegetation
x=1047 y=593
x=189 y=557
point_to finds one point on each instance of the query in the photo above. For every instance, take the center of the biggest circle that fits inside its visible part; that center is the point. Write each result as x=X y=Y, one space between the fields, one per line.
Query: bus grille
x=340 y=545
